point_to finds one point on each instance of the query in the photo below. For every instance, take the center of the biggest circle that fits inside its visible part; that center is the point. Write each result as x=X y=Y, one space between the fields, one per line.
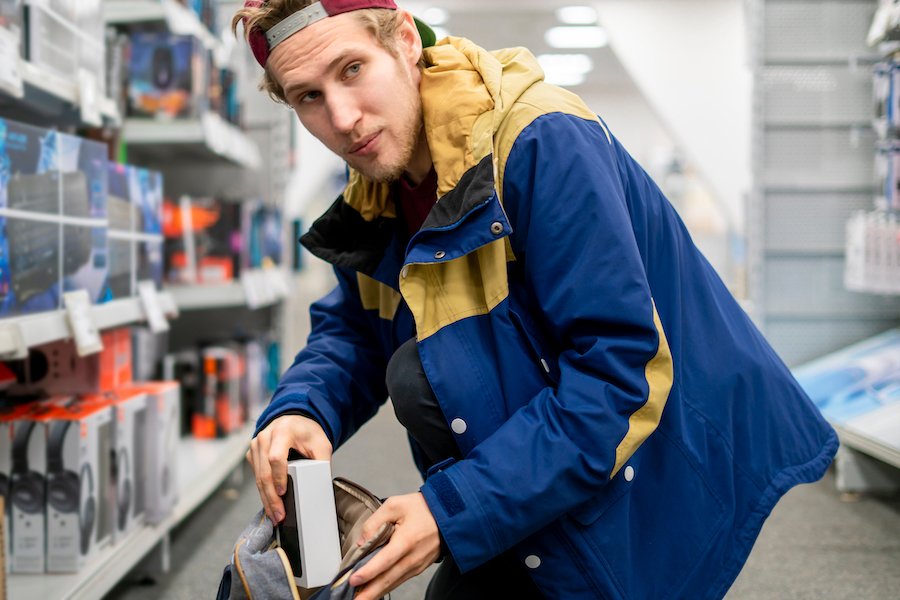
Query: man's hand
x=414 y=545
x=268 y=456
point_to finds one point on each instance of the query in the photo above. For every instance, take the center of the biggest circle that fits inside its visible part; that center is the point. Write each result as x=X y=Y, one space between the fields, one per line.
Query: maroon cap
x=263 y=42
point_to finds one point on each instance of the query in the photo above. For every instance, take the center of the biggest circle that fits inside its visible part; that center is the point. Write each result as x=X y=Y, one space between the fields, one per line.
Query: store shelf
x=206 y=139
x=46 y=93
x=17 y=334
x=203 y=466
x=256 y=289
x=179 y=19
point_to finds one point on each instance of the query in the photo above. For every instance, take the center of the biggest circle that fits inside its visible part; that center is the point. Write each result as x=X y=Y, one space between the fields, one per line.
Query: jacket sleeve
x=338 y=378
x=574 y=237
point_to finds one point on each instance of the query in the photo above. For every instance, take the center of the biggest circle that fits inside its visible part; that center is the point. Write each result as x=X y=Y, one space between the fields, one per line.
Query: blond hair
x=381 y=22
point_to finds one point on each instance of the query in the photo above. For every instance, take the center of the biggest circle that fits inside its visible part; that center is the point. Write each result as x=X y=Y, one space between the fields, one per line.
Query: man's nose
x=344 y=111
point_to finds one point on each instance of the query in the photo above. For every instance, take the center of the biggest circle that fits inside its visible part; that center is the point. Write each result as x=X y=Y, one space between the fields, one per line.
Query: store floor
x=815 y=545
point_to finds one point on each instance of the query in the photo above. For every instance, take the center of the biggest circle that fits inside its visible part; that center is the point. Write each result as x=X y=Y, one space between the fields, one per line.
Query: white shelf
x=45 y=91
x=208 y=139
x=179 y=19
x=257 y=288
x=17 y=334
x=203 y=466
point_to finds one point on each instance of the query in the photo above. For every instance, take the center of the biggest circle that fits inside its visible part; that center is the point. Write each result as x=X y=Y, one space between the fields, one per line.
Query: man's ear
x=410 y=42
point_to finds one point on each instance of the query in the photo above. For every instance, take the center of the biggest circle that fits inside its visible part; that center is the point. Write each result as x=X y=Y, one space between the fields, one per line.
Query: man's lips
x=363 y=145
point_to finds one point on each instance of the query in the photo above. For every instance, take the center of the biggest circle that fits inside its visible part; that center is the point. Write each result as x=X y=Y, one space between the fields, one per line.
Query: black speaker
x=123 y=484
x=163 y=67
x=88 y=508
x=62 y=484
x=26 y=486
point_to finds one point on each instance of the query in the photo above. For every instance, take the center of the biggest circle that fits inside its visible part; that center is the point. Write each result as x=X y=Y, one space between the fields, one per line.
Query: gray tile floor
x=815 y=545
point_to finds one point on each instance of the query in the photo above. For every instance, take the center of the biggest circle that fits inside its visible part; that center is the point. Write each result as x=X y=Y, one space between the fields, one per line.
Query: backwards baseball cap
x=263 y=42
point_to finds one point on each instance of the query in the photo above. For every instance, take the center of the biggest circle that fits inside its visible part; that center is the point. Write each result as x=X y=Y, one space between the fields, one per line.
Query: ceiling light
x=576 y=37
x=435 y=16
x=576 y=15
x=565 y=69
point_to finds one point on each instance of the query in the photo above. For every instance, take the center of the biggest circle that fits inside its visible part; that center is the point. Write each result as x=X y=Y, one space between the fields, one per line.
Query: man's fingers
x=384 y=514
x=271 y=501
x=388 y=557
x=389 y=580
x=277 y=458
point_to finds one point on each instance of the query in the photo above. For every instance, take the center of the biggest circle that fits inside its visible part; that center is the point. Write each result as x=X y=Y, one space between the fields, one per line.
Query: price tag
x=277 y=283
x=85 y=332
x=156 y=318
x=252 y=289
x=10 y=75
x=89 y=98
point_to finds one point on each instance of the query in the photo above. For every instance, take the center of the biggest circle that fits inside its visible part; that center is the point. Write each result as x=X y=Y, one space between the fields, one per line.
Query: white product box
x=162 y=435
x=128 y=477
x=309 y=533
x=79 y=490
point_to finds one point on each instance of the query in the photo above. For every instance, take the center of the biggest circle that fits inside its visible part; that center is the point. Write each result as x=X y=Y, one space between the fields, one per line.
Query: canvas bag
x=260 y=570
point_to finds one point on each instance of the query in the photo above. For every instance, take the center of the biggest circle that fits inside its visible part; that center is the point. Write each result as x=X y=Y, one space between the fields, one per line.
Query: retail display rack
x=204 y=147
x=813 y=169
x=204 y=465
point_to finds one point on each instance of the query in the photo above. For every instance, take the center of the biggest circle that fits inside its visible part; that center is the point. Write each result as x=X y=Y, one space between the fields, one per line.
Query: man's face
x=357 y=98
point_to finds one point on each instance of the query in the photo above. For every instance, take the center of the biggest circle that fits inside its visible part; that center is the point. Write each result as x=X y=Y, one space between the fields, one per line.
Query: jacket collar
x=484 y=85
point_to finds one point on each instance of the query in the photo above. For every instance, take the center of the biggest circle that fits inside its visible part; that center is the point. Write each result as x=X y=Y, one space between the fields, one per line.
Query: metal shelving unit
x=203 y=466
x=813 y=166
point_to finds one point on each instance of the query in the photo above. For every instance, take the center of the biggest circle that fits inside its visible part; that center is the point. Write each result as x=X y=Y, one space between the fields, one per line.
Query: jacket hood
x=466 y=93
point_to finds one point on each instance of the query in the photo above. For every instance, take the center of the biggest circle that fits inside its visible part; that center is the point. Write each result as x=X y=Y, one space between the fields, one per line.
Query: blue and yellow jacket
x=624 y=426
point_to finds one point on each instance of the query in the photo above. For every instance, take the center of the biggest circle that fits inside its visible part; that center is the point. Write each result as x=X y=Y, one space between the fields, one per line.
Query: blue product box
x=31 y=258
x=149 y=250
x=121 y=210
x=84 y=216
x=167 y=76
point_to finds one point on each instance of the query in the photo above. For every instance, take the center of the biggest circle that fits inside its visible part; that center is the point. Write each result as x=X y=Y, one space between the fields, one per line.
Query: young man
x=594 y=414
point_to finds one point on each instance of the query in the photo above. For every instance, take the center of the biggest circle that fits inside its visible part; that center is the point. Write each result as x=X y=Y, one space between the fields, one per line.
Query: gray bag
x=260 y=570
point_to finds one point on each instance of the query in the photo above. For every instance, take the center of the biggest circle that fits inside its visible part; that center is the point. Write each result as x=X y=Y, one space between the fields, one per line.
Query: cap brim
x=426 y=33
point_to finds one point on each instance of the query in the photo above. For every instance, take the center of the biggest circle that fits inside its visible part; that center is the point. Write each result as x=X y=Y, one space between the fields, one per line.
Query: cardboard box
x=84 y=216
x=220 y=410
x=162 y=436
x=28 y=495
x=57 y=369
x=79 y=487
x=136 y=239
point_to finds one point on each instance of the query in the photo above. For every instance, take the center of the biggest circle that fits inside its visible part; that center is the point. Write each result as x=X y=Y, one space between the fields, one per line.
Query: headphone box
x=79 y=492
x=56 y=368
x=127 y=477
x=22 y=468
x=163 y=432
x=220 y=411
x=309 y=533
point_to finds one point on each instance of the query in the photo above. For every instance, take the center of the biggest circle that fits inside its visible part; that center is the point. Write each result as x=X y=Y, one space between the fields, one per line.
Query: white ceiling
x=495 y=24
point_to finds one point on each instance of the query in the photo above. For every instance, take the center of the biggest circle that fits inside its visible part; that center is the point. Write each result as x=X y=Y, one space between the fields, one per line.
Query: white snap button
x=404 y=271
x=532 y=562
x=458 y=426
x=496 y=227
x=545 y=365
x=629 y=473
x=440 y=254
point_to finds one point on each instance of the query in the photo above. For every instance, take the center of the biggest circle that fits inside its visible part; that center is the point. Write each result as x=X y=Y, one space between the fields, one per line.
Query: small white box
x=309 y=533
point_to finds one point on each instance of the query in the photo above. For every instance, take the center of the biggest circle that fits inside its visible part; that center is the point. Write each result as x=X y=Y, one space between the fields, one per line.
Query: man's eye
x=309 y=97
x=353 y=69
